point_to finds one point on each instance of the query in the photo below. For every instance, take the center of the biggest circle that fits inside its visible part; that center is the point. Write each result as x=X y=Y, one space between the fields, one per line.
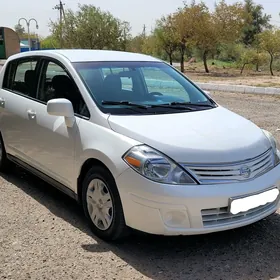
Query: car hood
x=207 y=136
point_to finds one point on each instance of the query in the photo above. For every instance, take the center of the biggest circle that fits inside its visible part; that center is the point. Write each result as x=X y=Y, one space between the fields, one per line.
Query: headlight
x=275 y=146
x=155 y=166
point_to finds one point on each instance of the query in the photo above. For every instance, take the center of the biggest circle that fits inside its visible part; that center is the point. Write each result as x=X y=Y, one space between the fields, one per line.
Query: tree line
x=239 y=32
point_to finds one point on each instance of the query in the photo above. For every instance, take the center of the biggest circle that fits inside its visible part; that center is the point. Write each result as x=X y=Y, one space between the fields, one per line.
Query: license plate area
x=243 y=204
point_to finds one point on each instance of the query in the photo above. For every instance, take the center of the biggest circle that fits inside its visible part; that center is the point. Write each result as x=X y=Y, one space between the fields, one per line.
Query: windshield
x=119 y=87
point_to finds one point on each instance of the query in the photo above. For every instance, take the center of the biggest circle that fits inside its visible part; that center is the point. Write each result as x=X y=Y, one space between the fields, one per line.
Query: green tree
x=49 y=42
x=270 y=42
x=19 y=29
x=91 y=28
x=256 y=22
x=136 y=44
x=223 y=26
x=250 y=56
x=230 y=51
x=166 y=36
x=126 y=38
x=186 y=21
x=150 y=46
x=182 y=23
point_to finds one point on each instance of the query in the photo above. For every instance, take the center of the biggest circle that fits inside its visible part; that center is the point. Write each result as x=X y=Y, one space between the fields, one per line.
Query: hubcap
x=99 y=204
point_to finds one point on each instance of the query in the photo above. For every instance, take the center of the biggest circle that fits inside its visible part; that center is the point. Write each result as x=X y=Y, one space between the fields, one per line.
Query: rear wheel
x=102 y=205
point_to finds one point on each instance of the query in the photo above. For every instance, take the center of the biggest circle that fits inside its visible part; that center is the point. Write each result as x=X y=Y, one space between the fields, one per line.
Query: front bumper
x=186 y=210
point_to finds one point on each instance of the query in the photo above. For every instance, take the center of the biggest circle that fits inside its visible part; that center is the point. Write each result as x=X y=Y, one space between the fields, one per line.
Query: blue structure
x=24 y=45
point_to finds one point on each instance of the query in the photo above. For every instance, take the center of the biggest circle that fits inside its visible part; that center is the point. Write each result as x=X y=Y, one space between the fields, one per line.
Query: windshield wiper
x=172 y=106
x=191 y=104
x=127 y=103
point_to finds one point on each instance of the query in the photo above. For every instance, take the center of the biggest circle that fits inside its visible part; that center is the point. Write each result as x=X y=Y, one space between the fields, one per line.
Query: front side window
x=56 y=83
x=140 y=87
x=21 y=77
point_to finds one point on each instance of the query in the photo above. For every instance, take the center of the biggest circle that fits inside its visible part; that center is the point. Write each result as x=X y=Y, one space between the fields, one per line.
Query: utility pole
x=125 y=31
x=60 y=8
x=144 y=30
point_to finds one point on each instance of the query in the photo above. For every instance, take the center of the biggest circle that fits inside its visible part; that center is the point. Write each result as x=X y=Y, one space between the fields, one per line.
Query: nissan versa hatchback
x=136 y=143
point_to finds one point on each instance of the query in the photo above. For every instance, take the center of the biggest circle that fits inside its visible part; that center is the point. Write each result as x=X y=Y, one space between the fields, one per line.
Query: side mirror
x=62 y=107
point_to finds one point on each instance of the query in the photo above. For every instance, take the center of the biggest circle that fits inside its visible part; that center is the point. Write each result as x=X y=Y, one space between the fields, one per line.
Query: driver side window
x=158 y=81
x=56 y=83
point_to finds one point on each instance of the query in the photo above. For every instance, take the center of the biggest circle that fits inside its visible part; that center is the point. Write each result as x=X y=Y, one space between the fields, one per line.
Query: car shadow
x=247 y=253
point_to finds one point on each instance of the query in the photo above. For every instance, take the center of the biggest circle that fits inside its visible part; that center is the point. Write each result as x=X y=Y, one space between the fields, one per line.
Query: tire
x=4 y=162
x=102 y=205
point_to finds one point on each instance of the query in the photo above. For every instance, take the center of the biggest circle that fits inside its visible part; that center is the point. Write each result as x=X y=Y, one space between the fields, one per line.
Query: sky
x=138 y=13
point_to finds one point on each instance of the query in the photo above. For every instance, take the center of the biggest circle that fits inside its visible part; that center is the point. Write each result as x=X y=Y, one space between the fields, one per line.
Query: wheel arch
x=87 y=165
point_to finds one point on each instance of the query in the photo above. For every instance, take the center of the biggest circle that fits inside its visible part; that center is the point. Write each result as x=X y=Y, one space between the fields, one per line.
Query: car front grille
x=231 y=172
x=222 y=217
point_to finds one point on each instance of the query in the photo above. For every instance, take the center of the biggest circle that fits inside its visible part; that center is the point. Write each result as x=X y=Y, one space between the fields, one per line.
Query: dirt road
x=43 y=234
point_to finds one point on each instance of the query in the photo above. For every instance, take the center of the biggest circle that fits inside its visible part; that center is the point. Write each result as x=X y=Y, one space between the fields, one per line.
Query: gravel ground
x=43 y=234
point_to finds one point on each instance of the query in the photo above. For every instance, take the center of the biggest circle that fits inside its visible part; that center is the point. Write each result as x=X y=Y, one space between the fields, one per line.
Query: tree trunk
x=257 y=67
x=170 y=58
x=182 y=62
x=169 y=53
x=243 y=67
x=205 y=62
x=270 y=65
x=257 y=63
x=182 y=59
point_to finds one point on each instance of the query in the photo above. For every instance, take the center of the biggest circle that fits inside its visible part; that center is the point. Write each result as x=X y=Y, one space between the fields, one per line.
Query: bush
x=229 y=52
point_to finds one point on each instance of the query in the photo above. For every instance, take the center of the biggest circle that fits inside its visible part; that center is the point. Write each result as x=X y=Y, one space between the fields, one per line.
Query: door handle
x=31 y=114
x=2 y=102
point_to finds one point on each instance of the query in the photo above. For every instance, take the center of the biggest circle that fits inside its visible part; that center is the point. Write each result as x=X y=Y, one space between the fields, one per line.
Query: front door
x=53 y=141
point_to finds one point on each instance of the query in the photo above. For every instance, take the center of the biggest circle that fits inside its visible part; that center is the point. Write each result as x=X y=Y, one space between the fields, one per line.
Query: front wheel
x=102 y=205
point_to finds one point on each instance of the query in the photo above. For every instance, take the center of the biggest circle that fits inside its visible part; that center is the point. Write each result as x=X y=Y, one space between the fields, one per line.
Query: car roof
x=90 y=55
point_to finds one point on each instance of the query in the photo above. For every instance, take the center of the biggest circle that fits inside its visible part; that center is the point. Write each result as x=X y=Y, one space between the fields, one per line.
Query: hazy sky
x=136 y=12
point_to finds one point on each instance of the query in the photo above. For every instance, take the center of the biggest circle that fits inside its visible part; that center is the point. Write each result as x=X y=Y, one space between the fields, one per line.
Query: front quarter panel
x=97 y=142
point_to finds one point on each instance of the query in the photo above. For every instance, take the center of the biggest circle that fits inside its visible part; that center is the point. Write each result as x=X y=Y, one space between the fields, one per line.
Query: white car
x=136 y=143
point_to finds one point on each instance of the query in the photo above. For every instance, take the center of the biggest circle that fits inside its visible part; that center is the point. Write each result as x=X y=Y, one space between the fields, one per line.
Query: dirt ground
x=43 y=234
x=257 y=80
x=231 y=75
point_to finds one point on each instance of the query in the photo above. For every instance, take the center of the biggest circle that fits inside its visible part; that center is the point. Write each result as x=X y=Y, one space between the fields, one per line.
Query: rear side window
x=20 y=77
x=8 y=76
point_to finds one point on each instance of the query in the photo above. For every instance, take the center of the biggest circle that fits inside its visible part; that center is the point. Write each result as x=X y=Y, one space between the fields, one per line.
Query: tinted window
x=126 y=81
x=144 y=83
x=21 y=77
x=113 y=70
x=9 y=75
x=56 y=83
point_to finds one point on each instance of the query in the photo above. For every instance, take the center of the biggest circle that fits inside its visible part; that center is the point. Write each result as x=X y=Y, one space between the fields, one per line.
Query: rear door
x=16 y=96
